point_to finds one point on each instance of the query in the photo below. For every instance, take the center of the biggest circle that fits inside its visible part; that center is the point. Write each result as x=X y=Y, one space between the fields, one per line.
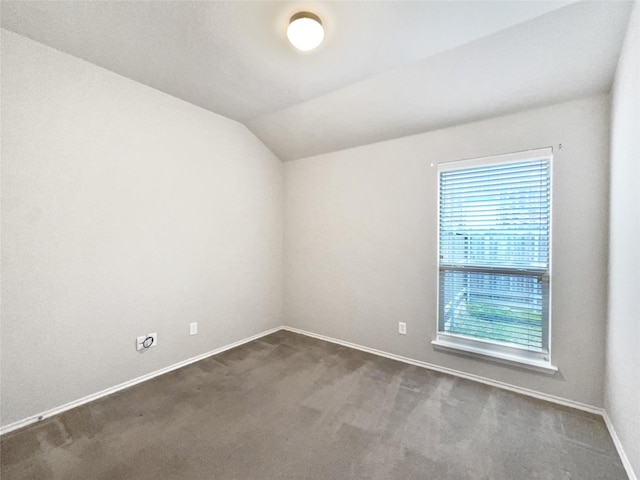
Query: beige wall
x=361 y=238
x=622 y=394
x=124 y=211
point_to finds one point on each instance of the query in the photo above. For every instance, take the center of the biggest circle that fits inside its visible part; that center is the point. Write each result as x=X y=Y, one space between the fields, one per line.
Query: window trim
x=486 y=349
x=497 y=353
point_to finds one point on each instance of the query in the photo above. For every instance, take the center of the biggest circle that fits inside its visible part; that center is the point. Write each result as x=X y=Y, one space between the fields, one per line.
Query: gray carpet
x=291 y=407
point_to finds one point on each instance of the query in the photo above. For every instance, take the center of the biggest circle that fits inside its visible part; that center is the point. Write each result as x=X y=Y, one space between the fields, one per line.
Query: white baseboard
x=619 y=447
x=505 y=386
x=108 y=391
x=457 y=373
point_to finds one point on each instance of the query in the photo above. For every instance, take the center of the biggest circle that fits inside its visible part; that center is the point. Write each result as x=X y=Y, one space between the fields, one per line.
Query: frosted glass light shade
x=305 y=31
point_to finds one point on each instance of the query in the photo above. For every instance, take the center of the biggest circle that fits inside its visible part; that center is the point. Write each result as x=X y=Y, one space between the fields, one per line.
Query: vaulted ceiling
x=386 y=68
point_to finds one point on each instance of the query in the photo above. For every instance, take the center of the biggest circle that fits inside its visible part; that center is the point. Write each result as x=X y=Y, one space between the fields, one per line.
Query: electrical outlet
x=402 y=328
x=193 y=328
x=146 y=341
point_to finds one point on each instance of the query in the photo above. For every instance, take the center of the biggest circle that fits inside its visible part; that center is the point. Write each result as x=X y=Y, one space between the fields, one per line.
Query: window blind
x=494 y=243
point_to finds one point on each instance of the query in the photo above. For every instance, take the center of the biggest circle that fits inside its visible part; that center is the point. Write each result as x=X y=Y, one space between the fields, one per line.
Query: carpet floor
x=288 y=406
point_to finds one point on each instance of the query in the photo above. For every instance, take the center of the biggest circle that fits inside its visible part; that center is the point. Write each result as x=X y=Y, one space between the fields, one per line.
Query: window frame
x=485 y=348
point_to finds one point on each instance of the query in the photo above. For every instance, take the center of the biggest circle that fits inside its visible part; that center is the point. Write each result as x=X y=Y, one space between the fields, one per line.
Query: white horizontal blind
x=494 y=239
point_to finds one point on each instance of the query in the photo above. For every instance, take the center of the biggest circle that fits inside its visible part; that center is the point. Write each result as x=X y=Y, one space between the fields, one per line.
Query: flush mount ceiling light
x=305 y=31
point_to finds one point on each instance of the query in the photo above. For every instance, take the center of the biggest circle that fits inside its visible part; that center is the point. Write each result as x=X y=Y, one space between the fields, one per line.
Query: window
x=494 y=256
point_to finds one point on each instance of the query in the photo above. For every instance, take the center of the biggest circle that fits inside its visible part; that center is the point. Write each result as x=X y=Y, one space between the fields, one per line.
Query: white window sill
x=501 y=357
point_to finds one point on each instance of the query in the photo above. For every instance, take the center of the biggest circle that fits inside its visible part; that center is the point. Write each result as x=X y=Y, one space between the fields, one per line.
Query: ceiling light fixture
x=305 y=31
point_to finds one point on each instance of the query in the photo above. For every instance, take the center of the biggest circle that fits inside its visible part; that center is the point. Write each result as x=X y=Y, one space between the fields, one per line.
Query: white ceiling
x=386 y=68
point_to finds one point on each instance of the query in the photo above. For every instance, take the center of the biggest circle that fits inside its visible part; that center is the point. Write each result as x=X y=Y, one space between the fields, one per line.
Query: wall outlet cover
x=143 y=344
